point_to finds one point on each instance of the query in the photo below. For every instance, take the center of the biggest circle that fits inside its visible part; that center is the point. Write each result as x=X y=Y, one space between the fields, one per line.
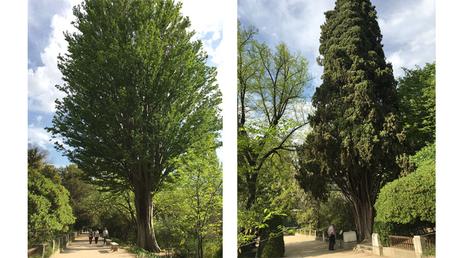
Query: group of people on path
x=95 y=234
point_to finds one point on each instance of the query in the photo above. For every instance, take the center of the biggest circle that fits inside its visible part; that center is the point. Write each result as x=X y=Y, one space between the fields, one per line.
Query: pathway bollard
x=43 y=250
x=377 y=248
x=418 y=246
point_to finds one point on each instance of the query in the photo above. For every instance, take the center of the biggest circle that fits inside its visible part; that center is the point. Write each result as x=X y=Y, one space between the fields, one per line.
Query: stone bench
x=114 y=246
x=108 y=241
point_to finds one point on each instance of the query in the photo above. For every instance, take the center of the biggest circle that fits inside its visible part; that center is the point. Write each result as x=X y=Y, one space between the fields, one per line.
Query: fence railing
x=57 y=244
x=307 y=231
x=429 y=244
x=421 y=245
x=402 y=242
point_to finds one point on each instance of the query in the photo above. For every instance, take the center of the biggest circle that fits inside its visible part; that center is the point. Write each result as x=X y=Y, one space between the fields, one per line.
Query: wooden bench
x=113 y=246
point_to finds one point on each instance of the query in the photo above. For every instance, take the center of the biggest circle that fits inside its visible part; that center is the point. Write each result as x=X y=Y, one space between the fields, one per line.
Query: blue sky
x=408 y=28
x=47 y=21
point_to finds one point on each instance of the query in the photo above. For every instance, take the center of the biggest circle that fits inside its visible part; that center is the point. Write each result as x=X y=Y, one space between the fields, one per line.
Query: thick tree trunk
x=364 y=218
x=144 y=215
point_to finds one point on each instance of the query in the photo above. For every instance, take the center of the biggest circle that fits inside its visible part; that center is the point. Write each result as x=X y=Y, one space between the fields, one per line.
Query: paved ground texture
x=80 y=247
x=300 y=246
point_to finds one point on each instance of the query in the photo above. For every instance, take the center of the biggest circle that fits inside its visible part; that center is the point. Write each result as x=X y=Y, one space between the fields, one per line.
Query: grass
x=141 y=253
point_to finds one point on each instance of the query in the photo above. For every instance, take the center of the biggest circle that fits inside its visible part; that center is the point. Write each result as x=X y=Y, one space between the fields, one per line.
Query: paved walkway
x=300 y=246
x=80 y=248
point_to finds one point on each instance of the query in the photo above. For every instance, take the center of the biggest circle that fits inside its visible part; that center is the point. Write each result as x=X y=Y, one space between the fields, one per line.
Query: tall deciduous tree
x=138 y=94
x=270 y=84
x=355 y=137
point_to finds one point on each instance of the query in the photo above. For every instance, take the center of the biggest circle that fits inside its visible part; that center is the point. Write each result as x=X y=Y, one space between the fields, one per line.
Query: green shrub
x=406 y=206
x=412 y=198
x=291 y=232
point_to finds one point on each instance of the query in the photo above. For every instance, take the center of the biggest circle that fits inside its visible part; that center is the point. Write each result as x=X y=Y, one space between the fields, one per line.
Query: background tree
x=138 y=94
x=417 y=101
x=270 y=84
x=279 y=200
x=355 y=135
x=189 y=208
x=96 y=209
x=49 y=211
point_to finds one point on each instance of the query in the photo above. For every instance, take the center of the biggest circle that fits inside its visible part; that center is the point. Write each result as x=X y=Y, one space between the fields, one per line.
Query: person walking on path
x=90 y=236
x=105 y=235
x=96 y=236
x=331 y=233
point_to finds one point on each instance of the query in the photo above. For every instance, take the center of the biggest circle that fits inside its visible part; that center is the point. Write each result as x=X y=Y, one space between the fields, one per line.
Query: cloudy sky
x=408 y=28
x=47 y=21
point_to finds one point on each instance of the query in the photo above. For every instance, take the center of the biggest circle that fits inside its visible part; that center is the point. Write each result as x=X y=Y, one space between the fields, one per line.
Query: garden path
x=300 y=246
x=80 y=248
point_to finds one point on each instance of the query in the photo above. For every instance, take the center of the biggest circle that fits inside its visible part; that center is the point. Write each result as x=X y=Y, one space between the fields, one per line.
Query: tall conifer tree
x=355 y=138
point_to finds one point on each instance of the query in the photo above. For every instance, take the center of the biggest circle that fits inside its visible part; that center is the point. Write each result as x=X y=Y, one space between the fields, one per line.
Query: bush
x=410 y=199
x=406 y=206
x=291 y=232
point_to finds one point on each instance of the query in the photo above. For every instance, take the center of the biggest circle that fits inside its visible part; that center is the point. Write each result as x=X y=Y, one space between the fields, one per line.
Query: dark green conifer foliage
x=355 y=136
x=139 y=93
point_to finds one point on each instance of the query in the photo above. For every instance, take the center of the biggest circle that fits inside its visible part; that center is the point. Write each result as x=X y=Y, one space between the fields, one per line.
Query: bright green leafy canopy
x=138 y=94
x=49 y=210
x=189 y=208
x=416 y=91
x=138 y=89
x=271 y=83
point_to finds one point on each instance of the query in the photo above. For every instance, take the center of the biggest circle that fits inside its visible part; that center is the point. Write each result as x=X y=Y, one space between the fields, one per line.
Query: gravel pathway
x=80 y=247
x=300 y=246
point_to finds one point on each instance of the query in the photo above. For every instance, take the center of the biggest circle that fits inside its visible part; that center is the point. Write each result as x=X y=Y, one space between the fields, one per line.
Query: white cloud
x=408 y=28
x=42 y=80
x=295 y=22
x=39 y=137
x=208 y=26
x=409 y=34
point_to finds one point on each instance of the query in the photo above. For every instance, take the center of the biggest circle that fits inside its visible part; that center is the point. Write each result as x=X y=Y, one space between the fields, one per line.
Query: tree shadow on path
x=300 y=246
